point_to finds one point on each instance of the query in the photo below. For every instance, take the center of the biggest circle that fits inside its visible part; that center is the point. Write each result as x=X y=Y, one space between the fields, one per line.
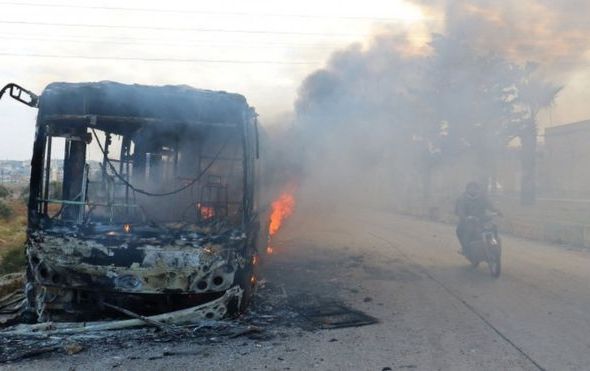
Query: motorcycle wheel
x=495 y=265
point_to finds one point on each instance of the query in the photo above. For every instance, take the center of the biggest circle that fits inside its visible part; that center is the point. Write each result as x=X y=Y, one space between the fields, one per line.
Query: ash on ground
x=287 y=304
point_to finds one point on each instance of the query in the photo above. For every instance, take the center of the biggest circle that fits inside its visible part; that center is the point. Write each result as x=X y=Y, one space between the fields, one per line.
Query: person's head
x=473 y=189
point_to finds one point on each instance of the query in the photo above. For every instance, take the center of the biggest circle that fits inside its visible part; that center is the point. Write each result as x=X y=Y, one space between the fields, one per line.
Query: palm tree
x=534 y=95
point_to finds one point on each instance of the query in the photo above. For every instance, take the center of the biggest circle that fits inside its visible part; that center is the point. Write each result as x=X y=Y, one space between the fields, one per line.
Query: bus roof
x=179 y=103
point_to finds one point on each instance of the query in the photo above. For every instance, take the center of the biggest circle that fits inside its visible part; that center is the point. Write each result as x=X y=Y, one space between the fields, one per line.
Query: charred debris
x=152 y=207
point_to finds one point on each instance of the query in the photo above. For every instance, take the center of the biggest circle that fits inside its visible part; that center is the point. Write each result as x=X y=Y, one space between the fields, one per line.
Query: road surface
x=435 y=311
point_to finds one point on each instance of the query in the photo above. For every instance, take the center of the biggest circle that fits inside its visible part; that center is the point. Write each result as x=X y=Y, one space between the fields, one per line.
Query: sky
x=261 y=49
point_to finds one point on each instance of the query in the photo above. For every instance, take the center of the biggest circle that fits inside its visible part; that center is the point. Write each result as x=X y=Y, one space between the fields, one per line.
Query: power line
x=203 y=12
x=206 y=42
x=147 y=59
x=148 y=42
x=184 y=29
x=166 y=39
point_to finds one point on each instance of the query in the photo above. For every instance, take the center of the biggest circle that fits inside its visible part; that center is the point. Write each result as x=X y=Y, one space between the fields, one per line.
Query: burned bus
x=143 y=198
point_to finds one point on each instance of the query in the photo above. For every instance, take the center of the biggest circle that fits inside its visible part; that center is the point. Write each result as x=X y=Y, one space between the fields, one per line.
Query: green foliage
x=12 y=236
x=24 y=195
x=13 y=260
x=4 y=192
x=5 y=211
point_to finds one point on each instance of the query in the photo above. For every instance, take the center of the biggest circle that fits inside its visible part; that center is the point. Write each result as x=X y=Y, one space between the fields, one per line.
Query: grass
x=12 y=237
x=4 y=191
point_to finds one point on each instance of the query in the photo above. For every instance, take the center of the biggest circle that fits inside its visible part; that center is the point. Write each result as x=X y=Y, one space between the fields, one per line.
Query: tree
x=5 y=211
x=4 y=192
x=534 y=95
x=486 y=101
x=413 y=112
x=473 y=99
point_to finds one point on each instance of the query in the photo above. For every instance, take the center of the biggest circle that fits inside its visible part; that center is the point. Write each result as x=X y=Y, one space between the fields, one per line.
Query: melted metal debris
x=335 y=315
x=11 y=297
x=23 y=341
x=272 y=312
x=17 y=347
x=305 y=311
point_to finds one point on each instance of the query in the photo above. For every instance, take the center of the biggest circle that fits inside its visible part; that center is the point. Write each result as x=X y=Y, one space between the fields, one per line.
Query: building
x=14 y=172
x=566 y=160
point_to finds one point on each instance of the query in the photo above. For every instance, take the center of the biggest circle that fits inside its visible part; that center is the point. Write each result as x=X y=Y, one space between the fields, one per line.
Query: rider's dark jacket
x=477 y=206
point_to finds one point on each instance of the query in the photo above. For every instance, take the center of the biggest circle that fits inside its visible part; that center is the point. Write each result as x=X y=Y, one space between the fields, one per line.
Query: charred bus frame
x=166 y=217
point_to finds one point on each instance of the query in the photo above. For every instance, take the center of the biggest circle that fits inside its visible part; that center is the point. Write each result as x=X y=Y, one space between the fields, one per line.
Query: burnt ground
x=295 y=294
x=434 y=311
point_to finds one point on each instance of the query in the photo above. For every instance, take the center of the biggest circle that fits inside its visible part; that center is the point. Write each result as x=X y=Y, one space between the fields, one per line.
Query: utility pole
x=528 y=139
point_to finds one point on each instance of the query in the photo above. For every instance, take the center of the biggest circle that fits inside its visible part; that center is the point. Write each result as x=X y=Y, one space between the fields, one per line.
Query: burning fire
x=206 y=212
x=282 y=208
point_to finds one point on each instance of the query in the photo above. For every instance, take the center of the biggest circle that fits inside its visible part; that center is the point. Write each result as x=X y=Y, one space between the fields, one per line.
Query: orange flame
x=282 y=208
x=206 y=212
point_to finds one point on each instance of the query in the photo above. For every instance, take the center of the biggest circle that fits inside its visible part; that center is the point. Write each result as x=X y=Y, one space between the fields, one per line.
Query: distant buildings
x=19 y=172
x=15 y=172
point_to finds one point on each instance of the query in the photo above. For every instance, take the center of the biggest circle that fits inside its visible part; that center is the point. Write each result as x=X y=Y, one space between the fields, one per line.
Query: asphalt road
x=435 y=311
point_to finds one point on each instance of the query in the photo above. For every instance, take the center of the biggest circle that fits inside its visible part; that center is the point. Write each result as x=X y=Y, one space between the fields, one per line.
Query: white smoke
x=377 y=121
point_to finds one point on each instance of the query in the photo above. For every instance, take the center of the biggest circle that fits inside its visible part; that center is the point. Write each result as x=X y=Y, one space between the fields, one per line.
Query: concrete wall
x=553 y=221
x=566 y=161
x=562 y=211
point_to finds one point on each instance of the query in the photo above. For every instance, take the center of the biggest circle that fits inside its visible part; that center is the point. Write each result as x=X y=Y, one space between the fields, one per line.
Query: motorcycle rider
x=472 y=203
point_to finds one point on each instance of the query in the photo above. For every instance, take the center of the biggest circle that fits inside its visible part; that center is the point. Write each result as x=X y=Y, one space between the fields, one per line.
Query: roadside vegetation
x=13 y=224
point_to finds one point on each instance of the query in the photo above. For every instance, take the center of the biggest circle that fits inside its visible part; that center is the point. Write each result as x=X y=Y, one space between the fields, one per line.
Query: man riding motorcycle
x=472 y=203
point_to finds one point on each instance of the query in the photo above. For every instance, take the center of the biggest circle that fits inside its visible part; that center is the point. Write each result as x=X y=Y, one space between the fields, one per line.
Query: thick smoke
x=354 y=115
x=394 y=122
x=552 y=32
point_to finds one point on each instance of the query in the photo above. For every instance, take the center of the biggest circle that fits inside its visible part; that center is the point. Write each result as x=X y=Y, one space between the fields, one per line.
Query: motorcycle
x=484 y=245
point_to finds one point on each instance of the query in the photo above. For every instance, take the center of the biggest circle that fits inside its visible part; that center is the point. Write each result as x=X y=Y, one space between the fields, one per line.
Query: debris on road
x=271 y=312
x=73 y=348
x=11 y=297
x=214 y=310
x=323 y=313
